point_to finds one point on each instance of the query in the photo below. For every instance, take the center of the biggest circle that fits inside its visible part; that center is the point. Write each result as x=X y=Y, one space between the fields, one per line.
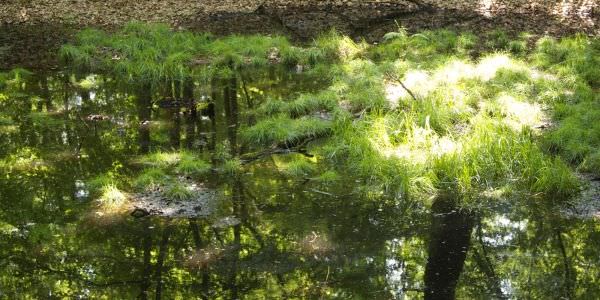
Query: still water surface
x=269 y=237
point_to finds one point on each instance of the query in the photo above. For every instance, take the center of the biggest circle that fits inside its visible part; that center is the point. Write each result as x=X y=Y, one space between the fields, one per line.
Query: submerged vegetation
x=440 y=122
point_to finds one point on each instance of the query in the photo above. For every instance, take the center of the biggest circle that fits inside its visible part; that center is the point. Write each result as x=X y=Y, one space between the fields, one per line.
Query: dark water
x=291 y=240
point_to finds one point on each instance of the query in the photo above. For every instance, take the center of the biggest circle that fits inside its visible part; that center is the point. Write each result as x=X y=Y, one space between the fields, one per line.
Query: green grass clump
x=591 y=164
x=309 y=103
x=285 y=131
x=578 y=55
x=97 y=183
x=154 y=54
x=336 y=47
x=232 y=167
x=360 y=86
x=178 y=191
x=575 y=62
x=180 y=162
x=160 y=159
x=150 y=178
x=556 y=182
x=272 y=107
x=495 y=156
x=469 y=131
x=299 y=168
x=427 y=48
x=305 y=104
x=578 y=133
x=192 y=166
x=111 y=198
x=328 y=177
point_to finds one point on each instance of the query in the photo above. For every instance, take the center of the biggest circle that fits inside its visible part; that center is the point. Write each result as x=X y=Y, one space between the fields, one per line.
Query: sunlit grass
x=160 y=159
x=112 y=199
x=337 y=46
x=192 y=166
x=283 y=130
x=298 y=167
x=329 y=176
x=470 y=130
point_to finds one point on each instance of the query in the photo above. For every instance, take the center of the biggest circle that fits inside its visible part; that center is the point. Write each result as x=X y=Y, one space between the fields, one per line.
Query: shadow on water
x=271 y=237
x=450 y=239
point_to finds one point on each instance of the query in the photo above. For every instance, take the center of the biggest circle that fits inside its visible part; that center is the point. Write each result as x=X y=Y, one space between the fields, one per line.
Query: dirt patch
x=587 y=205
x=31 y=31
x=201 y=203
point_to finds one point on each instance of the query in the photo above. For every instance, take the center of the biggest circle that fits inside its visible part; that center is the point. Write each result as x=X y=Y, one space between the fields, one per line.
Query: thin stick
x=396 y=79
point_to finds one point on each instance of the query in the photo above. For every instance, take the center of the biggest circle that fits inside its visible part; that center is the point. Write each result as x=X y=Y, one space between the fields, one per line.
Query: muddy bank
x=30 y=32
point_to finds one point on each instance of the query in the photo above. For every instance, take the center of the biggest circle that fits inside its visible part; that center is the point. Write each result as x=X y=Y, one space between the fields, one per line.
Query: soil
x=587 y=205
x=202 y=203
x=32 y=31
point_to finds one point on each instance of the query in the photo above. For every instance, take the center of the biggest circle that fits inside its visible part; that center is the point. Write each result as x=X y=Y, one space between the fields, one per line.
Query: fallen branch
x=322 y=193
x=398 y=80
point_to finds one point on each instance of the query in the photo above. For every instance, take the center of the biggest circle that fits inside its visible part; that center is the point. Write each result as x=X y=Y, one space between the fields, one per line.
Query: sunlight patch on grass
x=519 y=113
x=112 y=200
x=489 y=66
x=160 y=159
x=454 y=71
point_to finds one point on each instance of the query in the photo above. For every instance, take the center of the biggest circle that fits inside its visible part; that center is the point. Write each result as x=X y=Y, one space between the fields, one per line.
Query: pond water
x=268 y=236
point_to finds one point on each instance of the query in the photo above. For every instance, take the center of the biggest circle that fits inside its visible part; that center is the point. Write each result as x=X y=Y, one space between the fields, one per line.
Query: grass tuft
x=150 y=178
x=112 y=198
x=178 y=191
x=192 y=166
x=285 y=131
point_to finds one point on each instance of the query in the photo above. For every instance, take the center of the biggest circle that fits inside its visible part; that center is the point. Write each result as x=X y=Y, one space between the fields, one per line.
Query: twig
x=322 y=193
x=396 y=79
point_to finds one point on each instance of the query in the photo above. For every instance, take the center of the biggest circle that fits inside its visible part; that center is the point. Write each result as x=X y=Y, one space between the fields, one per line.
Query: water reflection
x=449 y=243
x=272 y=237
